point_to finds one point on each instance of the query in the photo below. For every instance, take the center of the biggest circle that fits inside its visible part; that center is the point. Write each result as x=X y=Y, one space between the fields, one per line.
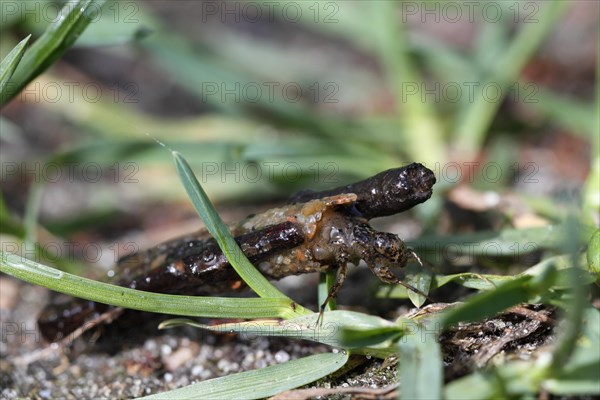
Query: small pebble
x=166 y=349
x=196 y=370
x=282 y=356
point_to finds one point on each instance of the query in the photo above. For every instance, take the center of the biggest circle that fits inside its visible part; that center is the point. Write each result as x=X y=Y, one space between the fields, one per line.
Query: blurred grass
x=10 y=62
x=58 y=37
x=416 y=131
x=501 y=68
x=193 y=306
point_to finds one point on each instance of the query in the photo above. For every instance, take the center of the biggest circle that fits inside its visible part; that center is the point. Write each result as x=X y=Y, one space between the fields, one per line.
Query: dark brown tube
x=387 y=193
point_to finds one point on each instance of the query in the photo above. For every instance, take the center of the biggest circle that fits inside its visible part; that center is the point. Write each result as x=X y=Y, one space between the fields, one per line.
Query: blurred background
x=265 y=98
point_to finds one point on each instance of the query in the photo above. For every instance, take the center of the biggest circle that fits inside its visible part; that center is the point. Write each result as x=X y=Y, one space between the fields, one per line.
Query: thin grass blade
x=60 y=35
x=262 y=382
x=356 y=338
x=10 y=62
x=193 y=306
x=221 y=233
x=489 y=303
x=420 y=372
x=328 y=331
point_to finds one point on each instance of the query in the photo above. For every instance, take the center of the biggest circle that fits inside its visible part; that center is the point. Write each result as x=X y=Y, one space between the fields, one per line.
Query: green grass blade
x=420 y=278
x=477 y=281
x=593 y=255
x=420 y=372
x=8 y=224
x=477 y=116
x=489 y=303
x=202 y=72
x=196 y=306
x=580 y=374
x=591 y=191
x=262 y=382
x=60 y=35
x=416 y=118
x=356 y=338
x=304 y=327
x=575 y=306
x=10 y=62
x=530 y=286
x=326 y=281
x=221 y=233
x=475 y=386
x=467 y=279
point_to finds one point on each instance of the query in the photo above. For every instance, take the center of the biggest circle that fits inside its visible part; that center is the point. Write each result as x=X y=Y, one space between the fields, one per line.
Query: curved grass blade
x=60 y=35
x=419 y=278
x=304 y=327
x=531 y=286
x=353 y=338
x=196 y=306
x=476 y=281
x=221 y=233
x=489 y=303
x=470 y=280
x=262 y=382
x=10 y=62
